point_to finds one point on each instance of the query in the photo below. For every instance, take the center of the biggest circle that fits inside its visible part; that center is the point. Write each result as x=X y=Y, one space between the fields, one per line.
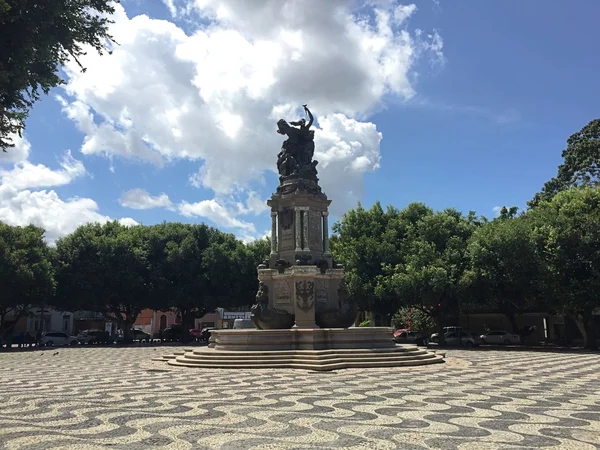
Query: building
x=48 y=319
x=152 y=322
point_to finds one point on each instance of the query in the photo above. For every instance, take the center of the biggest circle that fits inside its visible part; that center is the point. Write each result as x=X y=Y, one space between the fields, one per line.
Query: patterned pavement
x=117 y=398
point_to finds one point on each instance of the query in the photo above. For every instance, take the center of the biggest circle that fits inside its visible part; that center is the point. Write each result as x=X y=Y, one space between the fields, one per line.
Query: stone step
x=299 y=360
x=231 y=353
x=309 y=365
x=219 y=356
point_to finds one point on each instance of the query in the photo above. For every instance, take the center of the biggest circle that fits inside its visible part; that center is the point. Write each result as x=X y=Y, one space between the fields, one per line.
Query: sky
x=463 y=103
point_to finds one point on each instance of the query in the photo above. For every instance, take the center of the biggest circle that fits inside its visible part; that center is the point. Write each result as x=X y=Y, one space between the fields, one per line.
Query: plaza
x=119 y=398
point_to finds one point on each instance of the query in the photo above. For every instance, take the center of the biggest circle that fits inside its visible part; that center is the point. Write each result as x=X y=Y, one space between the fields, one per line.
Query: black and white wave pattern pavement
x=117 y=398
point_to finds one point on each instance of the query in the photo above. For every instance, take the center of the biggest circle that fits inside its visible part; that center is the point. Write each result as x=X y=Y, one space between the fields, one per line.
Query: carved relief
x=315 y=235
x=287 y=219
x=305 y=291
x=322 y=296
x=283 y=292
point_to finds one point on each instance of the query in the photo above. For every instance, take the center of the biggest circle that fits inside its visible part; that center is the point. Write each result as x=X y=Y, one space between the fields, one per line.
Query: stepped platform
x=307 y=349
x=317 y=360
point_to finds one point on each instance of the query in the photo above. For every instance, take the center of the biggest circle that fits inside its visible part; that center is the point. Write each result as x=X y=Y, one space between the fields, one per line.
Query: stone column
x=326 y=232
x=305 y=247
x=274 y=232
x=298 y=228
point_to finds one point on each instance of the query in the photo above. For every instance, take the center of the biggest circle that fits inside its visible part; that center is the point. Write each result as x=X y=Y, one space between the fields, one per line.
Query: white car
x=500 y=337
x=58 y=338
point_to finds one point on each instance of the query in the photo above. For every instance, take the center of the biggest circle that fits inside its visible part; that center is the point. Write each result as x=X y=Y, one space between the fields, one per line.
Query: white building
x=48 y=319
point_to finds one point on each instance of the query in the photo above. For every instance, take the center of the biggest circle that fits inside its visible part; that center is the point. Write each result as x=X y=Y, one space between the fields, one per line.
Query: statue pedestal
x=304 y=292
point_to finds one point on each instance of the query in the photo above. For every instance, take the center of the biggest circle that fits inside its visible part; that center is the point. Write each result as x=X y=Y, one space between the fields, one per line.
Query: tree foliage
x=365 y=241
x=119 y=271
x=581 y=164
x=26 y=271
x=505 y=267
x=38 y=36
x=567 y=232
x=435 y=259
x=107 y=269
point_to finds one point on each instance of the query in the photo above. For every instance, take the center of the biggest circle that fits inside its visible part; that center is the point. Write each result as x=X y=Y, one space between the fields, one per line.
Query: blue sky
x=482 y=126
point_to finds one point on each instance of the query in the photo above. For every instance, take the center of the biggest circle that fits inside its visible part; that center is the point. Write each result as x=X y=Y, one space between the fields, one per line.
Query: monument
x=303 y=313
x=300 y=284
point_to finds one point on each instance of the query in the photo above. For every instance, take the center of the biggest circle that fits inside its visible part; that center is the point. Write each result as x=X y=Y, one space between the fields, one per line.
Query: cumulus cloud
x=213 y=95
x=141 y=199
x=26 y=175
x=20 y=205
x=18 y=153
x=213 y=211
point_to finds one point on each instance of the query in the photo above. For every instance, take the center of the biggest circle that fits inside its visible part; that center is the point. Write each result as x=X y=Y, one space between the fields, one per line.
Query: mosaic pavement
x=117 y=398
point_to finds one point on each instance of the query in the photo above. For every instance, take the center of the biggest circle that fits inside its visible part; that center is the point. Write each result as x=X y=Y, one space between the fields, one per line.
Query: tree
x=434 y=260
x=254 y=254
x=177 y=255
x=567 y=232
x=580 y=167
x=505 y=267
x=366 y=240
x=38 y=36
x=106 y=268
x=26 y=271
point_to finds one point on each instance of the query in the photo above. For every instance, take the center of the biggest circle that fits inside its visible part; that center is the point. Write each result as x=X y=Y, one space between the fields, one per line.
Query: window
x=163 y=322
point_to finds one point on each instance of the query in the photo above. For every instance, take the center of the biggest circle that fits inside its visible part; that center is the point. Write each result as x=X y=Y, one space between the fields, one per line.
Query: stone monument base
x=309 y=349
x=302 y=339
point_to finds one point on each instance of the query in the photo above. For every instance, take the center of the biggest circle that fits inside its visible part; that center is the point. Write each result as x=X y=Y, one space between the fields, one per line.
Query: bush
x=412 y=319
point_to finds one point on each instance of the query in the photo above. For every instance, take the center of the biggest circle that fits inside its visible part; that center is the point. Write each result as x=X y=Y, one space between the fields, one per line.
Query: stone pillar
x=305 y=229
x=273 y=232
x=326 y=233
x=298 y=228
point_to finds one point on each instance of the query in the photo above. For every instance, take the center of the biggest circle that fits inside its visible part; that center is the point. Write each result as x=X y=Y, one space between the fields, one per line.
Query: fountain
x=303 y=313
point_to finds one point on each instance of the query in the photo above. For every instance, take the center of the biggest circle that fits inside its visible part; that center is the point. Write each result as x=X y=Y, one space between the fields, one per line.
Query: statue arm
x=310 y=117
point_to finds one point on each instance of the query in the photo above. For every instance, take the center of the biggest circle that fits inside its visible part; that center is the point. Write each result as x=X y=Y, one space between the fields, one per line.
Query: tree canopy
x=39 y=36
x=26 y=271
x=119 y=271
x=581 y=164
x=504 y=272
x=567 y=232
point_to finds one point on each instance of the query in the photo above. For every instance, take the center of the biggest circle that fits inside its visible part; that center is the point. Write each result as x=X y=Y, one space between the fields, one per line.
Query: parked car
x=136 y=335
x=500 y=337
x=56 y=338
x=141 y=336
x=173 y=333
x=195 y=332
x=454 y=329
x=205 y=333
x=403 y=336
x=457 y=338
x=92 y=337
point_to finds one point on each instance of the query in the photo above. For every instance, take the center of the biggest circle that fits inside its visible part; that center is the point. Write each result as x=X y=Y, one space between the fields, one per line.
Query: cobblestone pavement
x=117 y=398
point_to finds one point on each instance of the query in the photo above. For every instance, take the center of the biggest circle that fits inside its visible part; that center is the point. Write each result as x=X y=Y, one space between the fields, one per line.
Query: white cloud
x=20 y=205
x=18 y=153
x=496 y=210
x=216 y=213
x=26 y=175
x=141 y=199
x=214 y=96
x=253 y=205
